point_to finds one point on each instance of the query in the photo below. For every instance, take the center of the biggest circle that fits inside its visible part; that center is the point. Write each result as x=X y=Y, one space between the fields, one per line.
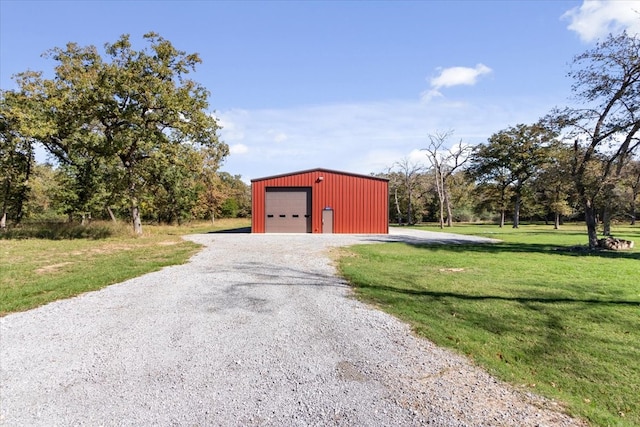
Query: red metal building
x=320 y=201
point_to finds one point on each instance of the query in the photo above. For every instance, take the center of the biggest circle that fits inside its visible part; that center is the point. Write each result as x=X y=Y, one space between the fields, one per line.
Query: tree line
x=493 y=183
x=576 y=162
x=129 y=133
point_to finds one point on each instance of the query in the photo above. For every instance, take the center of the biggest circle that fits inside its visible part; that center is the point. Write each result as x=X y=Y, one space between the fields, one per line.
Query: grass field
x=564 y=324
x=73 y=260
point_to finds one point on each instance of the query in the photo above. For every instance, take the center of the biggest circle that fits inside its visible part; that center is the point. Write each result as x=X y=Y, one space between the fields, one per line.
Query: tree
x=134 y=107
x=395 y=183
x=217 y=187
x=16 y=156
x=604 y=128
x=553 y=182
x=238 y=196
x=409 y=175
x=171 y=183
x=461 y=195
x=631 y=185
x=510 y=158
x=47 y=193
x=444 y=164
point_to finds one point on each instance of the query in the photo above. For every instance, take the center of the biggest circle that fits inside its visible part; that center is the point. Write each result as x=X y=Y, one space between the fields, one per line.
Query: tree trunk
x=409 y=216
x=135 y=218
x=606 y=221
x=439 y=189
x=133 y=199
x=592 y=223
x=503 y=191
x=398 y=206
x=556 y=224
x=3 y=220
x=448 y=205
x=111 y=215
x=19 y=207
x=213 y=217
x=633 y=208
x=440 y=202
x=516 y=211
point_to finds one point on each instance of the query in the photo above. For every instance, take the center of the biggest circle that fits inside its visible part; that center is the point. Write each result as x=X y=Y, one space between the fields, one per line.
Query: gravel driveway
x=254 y=330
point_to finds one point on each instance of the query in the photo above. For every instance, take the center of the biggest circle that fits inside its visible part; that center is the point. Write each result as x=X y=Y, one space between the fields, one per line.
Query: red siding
x=359 y=203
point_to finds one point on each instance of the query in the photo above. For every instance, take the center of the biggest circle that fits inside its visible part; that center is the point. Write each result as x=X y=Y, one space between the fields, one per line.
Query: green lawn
x=35 y=271
x=563 y=324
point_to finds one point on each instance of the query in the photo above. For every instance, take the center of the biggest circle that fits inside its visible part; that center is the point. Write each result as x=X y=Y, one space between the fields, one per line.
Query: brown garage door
x=288 y=210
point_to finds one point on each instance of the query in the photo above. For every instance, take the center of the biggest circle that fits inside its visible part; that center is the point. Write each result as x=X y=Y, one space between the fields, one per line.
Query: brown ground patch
x=52 y=268
x=111 y=248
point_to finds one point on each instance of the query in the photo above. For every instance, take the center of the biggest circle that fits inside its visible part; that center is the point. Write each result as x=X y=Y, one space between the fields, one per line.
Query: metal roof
x=320 y=170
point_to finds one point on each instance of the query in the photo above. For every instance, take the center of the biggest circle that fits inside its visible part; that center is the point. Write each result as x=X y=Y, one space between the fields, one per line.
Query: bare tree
x=410 y=173
x=394 y=182
x=444 y=163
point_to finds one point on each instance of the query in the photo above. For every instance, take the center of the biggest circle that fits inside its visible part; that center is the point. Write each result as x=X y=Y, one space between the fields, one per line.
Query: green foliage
x=16 y=156
x=554 y=186
x=229 y=208
x=237 y=202
x=173 y=180
x=224 y=195
x=119 y=125
x=510 y=159
x=531 y=310
x=604 y=124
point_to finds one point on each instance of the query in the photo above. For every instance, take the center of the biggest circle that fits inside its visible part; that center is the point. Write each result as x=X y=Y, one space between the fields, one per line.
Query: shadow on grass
x=461 y=246
x=522 y=300
x=59 y=231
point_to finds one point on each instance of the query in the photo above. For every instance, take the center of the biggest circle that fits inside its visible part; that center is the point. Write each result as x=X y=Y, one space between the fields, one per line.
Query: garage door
x=288 y=210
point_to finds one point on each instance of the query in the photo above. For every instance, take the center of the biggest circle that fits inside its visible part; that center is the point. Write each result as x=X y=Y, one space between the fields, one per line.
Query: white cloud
x=595 y=19
x=227 y=121
x=418 y=156
x=238 y=149
x=377 y=160
x=362 y=138
x=428 y=95
x=454 y=76
x=277 y=136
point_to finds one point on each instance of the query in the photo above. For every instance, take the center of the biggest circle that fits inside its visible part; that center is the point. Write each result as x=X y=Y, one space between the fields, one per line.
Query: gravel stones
x=254 y=330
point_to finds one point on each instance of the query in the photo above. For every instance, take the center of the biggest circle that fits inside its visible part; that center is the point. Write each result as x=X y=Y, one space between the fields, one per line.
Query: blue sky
x=352 y=86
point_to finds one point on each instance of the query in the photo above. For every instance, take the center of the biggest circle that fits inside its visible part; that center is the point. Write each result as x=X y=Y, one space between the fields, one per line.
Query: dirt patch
x=52 y=268
x=109 y=249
